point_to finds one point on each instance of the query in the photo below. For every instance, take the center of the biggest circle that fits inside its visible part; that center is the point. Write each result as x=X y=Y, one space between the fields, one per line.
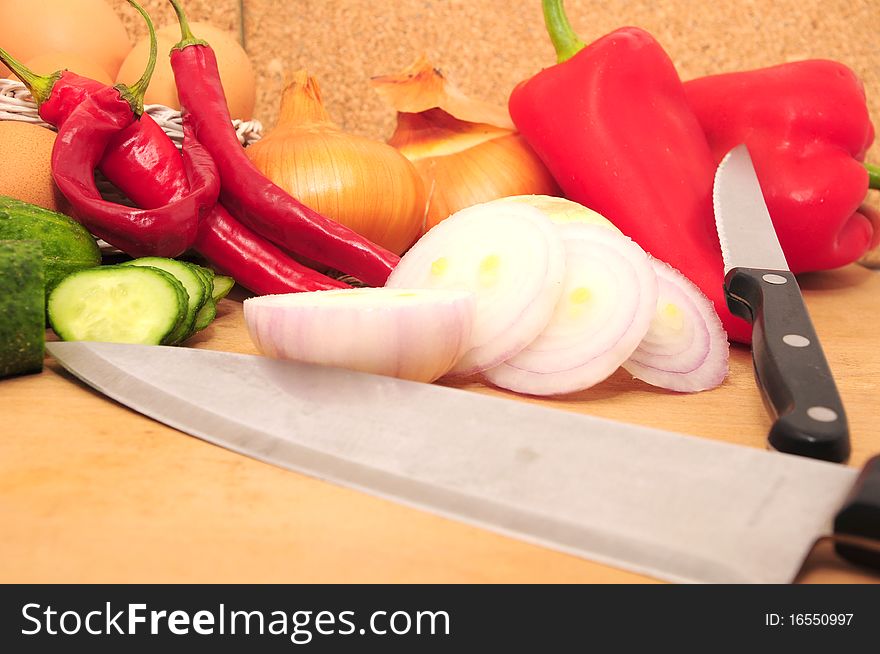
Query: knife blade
x=676 y=507
x=791 y=369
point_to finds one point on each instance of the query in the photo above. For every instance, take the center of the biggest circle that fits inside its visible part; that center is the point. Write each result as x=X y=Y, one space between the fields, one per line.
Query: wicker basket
x=16 y=103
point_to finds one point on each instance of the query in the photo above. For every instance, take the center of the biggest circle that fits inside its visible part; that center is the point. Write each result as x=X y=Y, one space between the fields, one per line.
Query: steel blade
x=745 y=229
x=676 y=507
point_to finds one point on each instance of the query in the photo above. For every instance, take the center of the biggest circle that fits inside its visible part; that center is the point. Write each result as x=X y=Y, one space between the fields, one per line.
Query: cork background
x=487 y=46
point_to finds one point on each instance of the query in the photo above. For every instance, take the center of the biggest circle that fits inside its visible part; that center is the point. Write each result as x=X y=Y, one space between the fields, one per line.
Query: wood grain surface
x=93 y=492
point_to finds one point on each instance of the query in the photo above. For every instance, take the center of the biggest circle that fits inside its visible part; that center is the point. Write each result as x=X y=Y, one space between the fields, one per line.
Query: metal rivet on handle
x=796 y=340
x=822 y=414
x=770 y=278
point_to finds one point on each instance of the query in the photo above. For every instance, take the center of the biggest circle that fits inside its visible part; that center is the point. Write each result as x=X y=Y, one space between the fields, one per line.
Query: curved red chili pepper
x=246 y=192
x=144 y=163
x=166 y=231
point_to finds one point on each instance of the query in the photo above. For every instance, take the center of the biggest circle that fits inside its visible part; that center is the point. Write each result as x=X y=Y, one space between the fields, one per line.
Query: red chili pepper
x=807 y=128
x=612 y=124
x=246 y=192
x=165 y=231
x=145 y=165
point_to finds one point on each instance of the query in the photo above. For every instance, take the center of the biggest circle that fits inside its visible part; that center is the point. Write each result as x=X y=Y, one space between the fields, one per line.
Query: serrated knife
x=790 y=366
x=675 y=507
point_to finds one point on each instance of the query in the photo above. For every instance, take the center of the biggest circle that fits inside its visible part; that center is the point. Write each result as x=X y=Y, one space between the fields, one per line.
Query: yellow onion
x=364 y=184
x=466 y=151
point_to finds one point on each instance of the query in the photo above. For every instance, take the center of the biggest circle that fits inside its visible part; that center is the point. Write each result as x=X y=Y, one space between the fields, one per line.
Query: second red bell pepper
x=807 y=128
x=612 y=124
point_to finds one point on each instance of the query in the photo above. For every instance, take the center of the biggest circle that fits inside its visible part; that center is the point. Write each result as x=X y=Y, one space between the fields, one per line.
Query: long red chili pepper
x=612 y=124
x=165 y=231
x=246 y=192
x=145 y=165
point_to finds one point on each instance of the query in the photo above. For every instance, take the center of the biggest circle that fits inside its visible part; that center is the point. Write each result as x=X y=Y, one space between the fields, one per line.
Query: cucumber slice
x=222 y=286
x=118 y=304
x=206 y=273
x=22 y=307
x=197 y=291
x=206 y=315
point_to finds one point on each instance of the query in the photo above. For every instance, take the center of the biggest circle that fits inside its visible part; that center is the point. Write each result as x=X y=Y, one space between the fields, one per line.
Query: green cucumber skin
x=57 y=308
x=67 y=245
x=22 y=307
x=206 y=316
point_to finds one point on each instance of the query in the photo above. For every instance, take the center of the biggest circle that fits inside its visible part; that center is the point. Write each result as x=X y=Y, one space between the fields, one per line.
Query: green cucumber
x=206 y=315
x=67 y=245
x=222 y=286
x=206 y=273
x=22 y=307
x=197 y=289
x=118 y=304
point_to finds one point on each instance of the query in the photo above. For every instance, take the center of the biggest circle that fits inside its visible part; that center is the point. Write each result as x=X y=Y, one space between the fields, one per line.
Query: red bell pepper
x=612 y=124
x=807 y=128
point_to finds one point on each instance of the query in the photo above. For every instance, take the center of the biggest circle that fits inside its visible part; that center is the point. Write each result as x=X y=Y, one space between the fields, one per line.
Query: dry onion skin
x=467 y=152
x=510 y=256
x=412 y=334
x=365 y=184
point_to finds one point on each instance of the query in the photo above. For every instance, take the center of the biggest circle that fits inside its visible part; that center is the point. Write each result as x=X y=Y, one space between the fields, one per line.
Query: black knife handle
x=790 y=367
x=860 y=517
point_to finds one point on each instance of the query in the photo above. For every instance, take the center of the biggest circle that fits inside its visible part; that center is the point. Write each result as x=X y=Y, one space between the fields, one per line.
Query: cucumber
x=22 y=307
x=206 y=273
x=198 y=291
x=222 y=286
x=67 y=245
x=118 y=304
x=206 y=315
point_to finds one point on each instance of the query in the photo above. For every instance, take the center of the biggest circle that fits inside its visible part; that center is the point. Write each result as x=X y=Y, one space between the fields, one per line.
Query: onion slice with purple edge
x=417 y=335
x=607 y=304
x=511 y=256
x=686 y=348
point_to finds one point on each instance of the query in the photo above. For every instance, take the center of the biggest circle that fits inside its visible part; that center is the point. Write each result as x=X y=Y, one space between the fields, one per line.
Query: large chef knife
x=790 y=367
x=675 y=507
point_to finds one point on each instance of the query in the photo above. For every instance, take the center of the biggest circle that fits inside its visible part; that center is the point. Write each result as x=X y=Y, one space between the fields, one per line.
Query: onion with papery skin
x=416 y=335
x=364 y=184
x=686 y=347
x=467 y=152
x=510 y=256
x=607 y=303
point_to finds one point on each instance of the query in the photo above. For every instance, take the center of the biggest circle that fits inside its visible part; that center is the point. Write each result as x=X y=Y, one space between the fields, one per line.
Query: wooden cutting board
x=93 y=492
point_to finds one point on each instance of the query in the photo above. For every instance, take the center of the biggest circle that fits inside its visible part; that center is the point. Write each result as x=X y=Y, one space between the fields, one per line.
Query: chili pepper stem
x=873 y=176
x=565 y=41
x=40 y=86
x=186 y=35
x=134 y=94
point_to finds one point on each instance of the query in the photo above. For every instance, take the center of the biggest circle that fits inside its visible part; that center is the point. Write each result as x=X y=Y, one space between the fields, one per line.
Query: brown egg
x=89 y=28
x=236 y=71
x=51 y=62
x=25 y=164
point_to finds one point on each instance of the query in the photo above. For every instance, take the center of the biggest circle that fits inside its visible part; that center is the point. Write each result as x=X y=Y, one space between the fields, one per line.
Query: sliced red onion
x=606 y=307
x=686 y=348
x=416 y=335
x=510 y=256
